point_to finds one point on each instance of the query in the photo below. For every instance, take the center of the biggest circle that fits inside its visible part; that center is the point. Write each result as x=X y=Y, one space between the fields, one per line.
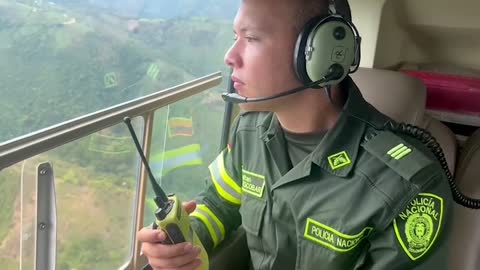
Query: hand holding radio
x=169 y=256
x=173 y=224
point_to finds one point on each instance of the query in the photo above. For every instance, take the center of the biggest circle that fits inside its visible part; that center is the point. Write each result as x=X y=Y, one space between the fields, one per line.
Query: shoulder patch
x=397 y=154
x=417 y=227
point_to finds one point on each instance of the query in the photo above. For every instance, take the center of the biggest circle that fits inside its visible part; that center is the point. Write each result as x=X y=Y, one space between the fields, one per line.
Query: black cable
x=426 y=138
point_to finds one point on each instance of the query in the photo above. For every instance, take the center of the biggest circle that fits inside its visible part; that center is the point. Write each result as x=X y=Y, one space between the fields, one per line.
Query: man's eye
x=247 y=38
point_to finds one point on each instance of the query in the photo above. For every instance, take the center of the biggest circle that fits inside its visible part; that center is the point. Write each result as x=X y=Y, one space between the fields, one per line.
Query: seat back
x=445 y=137
x=395 y=94
x=403 y=98
x=465 y=240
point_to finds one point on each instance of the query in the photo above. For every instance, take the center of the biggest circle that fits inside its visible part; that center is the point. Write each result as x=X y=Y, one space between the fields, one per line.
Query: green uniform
x=363 y=199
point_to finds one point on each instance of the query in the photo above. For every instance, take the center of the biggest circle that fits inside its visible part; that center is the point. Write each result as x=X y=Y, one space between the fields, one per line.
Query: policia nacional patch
x=417 y=226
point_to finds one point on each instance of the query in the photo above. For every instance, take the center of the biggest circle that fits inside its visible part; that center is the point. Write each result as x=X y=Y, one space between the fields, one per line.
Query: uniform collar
x=338 y=150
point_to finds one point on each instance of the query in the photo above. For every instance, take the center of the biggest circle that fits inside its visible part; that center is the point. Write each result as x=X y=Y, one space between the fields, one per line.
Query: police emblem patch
x=417 y=226
x=339 y=160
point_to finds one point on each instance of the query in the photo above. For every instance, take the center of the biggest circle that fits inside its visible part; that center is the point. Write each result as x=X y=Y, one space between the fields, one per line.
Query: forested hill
x=224 y=9
x=62 y=59
x=167 y=9
x=57 y=60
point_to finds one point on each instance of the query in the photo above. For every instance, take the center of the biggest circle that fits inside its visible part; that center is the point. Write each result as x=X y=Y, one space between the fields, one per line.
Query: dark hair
x=307 y=9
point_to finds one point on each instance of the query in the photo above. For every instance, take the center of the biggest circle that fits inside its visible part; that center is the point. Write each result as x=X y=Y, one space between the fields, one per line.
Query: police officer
x=313 y=176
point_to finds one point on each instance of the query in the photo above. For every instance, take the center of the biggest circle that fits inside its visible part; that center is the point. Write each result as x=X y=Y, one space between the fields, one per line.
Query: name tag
x=329 y=237
x=253 y=183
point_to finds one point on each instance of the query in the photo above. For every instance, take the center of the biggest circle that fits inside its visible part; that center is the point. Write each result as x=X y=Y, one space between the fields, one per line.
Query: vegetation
x=10 y=188
x=62 y=60
x=55 y=71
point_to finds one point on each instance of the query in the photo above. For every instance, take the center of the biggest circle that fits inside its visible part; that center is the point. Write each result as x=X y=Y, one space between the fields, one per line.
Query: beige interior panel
x=429 y=31
x=366 y=16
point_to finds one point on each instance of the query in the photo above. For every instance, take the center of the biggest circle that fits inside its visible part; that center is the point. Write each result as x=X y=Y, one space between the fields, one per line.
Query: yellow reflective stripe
x=205 y=221
x=221 y=190
x=224 y=184
x=217 y=221
x=226 y=177
x=214 y=225
x=167 y=161
x=191 y=148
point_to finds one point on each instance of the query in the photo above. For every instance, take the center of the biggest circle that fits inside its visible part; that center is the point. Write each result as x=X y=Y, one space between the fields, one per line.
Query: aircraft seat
x=465 y=241
x=445 y=137
x=400 y=97
x=403 y=98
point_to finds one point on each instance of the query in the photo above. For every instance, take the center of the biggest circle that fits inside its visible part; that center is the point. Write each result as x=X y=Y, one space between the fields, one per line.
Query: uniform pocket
x=252 y=211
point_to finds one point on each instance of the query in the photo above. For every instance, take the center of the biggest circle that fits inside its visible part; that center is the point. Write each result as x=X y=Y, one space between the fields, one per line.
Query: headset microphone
x=333 y=74
x=236 y=98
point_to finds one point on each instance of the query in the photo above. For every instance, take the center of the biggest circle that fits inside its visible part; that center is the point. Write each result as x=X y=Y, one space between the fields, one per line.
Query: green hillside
x=58 y=64
x=55 y=70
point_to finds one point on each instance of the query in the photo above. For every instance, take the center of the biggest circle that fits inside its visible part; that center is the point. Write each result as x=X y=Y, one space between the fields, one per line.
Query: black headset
x=327 y=47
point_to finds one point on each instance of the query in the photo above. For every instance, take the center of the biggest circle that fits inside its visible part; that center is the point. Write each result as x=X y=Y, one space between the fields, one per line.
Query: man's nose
x=232 y=57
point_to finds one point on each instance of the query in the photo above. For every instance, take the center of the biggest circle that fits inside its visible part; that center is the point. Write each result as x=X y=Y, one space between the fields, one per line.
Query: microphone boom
x=236 y=98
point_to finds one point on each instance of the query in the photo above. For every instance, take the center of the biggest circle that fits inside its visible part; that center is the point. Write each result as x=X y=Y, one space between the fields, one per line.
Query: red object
x=447 y=92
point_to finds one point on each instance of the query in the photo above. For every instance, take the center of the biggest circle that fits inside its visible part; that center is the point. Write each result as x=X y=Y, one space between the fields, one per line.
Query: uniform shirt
x=363 y=199
x=300 y=145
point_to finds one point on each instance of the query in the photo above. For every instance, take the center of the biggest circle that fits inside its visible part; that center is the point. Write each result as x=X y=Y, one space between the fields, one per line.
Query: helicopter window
x=62 y=59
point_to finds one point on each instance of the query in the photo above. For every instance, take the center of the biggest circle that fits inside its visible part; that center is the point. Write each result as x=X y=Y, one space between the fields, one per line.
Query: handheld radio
x=171 y=217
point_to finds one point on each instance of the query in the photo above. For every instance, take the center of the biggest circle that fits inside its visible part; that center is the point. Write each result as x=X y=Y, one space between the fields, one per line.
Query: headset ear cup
x=299 y=55
x=331 y=43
